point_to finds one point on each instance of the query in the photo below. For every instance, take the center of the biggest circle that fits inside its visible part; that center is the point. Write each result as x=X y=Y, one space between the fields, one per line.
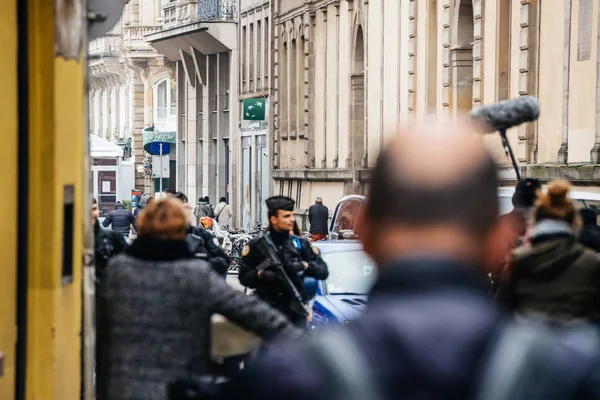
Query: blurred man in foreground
x=432 y=227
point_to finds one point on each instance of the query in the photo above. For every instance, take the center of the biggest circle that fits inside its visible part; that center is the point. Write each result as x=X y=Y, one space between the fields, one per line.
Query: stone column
x=595 y=153
x=304 y=101
x=446 y=58
x=412 y=56
x=277 y=45
x=477 y=62
x=563 y=152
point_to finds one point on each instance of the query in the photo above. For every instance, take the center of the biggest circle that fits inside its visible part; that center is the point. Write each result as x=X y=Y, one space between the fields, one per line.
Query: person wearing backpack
x=223 y=212
x=430 y=329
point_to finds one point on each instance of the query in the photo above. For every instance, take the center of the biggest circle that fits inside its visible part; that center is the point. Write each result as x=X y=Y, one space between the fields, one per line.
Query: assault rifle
x=272 y=261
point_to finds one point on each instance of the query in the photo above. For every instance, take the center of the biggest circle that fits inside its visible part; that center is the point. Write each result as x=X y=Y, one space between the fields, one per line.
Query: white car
x=582 y=199
x=344 y=217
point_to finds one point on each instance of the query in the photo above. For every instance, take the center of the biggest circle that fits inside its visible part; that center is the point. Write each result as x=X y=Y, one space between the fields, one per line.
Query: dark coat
x=154 y=319
x=590 y=237
x=424 y=331
x=556 y=277
x=216 y=255
x=121 y=220
x=107 y=244
x=318 y=216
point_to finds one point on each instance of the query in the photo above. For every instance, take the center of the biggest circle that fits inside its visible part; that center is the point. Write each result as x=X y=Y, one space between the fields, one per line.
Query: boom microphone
x=506 y=114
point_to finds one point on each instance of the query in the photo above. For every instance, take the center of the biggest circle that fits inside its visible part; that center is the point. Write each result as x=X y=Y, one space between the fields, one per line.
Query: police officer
x=297 y=256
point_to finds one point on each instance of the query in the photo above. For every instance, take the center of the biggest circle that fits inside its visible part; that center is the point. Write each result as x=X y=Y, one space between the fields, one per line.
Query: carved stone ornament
x=68 y=27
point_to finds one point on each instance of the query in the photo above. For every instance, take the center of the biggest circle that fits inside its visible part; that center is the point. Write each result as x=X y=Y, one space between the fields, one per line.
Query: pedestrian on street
x=589 y=235
x=121 y=220
x=556 y=277
x=107 y=243
x=223 y=213
x=202 y=209
x=429 y=332
x=296 y=255
x=156 y=310
x=202 y=243
x=318 y=216
x=520 y=221
x=212 y=210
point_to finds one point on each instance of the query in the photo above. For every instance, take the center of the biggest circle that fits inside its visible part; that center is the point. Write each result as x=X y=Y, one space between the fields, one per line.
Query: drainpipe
x=564 y=147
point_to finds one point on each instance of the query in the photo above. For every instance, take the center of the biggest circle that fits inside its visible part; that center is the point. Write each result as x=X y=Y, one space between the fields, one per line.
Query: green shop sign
x=153 y=139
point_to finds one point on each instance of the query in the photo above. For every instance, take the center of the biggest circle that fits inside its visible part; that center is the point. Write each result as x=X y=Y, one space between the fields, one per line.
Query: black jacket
x=318 y=216
x=556 y=277
x=154 y=319
x=121 y=219
x=107 y=244
x=215 y=255
x=589 y=236
x=424 y=333
x=292 y=251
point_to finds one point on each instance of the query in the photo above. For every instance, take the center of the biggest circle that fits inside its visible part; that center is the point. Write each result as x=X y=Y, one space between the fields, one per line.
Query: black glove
x=268 y=276
x=294 y=267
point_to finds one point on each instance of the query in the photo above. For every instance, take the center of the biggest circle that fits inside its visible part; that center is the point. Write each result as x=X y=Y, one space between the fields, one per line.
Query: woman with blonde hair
x=554 y=277
x=155 y=310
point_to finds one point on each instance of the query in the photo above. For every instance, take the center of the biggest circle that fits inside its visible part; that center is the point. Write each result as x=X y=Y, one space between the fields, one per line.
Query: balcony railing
x=133 y=37
x=106 y=46
x=217 y=10
x=179 y=12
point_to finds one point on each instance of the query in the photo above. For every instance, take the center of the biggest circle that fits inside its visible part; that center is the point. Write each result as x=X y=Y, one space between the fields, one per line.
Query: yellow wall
x=8 y=199
x=57 y=133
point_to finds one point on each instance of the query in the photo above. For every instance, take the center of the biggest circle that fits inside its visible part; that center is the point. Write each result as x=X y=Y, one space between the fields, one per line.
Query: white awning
x=103 y=148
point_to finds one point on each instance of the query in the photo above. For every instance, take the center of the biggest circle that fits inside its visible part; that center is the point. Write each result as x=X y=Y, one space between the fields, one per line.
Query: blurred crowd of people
x=433 y=329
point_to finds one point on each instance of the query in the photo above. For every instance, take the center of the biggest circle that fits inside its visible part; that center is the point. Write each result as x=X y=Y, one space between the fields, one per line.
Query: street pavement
x=233 y=281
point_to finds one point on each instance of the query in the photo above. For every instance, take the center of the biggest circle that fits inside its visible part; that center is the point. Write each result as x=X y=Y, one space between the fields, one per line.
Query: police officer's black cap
x=280 y=203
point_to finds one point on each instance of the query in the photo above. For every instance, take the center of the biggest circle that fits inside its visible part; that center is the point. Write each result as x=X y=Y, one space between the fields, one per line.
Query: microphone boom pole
x=506 y=114
x=509 y=152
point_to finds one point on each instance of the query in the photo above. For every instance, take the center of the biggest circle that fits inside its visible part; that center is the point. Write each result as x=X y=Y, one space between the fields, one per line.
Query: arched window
x=462 y=58
x=165 y=100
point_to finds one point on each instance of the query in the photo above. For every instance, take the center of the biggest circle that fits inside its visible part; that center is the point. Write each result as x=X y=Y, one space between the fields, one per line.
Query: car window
x=346 y=216
x=349 y=272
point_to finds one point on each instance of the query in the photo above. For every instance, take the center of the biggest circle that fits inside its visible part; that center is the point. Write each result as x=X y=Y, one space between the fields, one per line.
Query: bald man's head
x=425 y=179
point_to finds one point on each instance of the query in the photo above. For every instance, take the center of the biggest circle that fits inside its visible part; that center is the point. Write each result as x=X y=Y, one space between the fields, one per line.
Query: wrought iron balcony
x=180 y=12
x=217 y=10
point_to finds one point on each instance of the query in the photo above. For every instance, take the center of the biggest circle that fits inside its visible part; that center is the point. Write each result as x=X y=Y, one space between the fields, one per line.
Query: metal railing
x=217 y=10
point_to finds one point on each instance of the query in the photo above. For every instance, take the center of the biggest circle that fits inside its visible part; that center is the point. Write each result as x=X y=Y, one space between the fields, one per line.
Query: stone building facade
x=349 y=73
x=255 y=38
x=200 y=38
x=131 y=85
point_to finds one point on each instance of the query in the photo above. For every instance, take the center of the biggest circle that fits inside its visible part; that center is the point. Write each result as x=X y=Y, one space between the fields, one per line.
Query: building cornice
x=577 y=174
x=305 y=8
